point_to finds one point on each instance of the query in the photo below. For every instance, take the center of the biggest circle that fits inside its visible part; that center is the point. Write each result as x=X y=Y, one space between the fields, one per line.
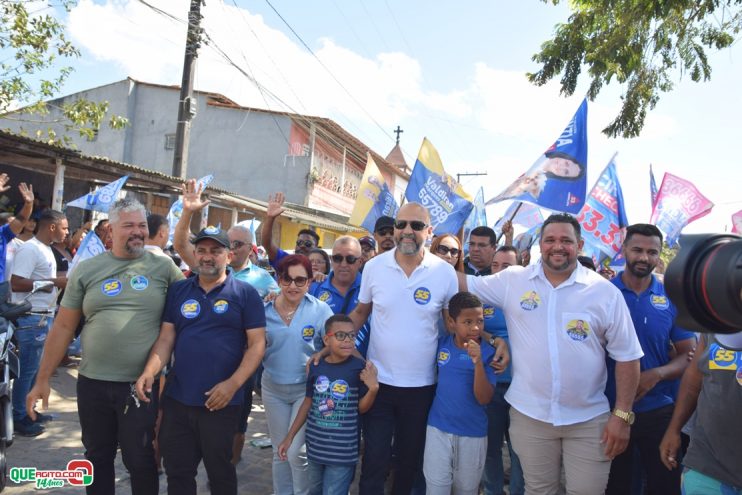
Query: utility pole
x=459 y=176
x=187 y=104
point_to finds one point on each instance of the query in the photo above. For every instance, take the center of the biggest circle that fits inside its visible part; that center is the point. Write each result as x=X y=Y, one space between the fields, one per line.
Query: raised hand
x=26 y=192
x=4 y=179
x=192 y=200
x=275 y=204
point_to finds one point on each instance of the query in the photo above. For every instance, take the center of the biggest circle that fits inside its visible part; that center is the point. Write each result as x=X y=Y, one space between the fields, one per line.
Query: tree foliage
x=33 y=52
x=642 y=44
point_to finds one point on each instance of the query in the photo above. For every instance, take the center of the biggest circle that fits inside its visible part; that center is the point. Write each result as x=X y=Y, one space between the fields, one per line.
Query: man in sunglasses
x=409 y=289
x=482 y=246
x=384 y=234
x=340 y=289
x=306 y=240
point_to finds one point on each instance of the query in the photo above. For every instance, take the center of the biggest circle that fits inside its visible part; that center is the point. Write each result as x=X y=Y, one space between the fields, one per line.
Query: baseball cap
x=213 y=233
x=369 y=241
x=383 y=222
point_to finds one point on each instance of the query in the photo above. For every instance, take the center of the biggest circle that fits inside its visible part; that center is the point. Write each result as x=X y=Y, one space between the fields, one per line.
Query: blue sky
x=453 y=73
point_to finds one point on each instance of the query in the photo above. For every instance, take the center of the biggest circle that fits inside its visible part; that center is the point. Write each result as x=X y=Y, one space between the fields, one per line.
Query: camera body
x=704 y=281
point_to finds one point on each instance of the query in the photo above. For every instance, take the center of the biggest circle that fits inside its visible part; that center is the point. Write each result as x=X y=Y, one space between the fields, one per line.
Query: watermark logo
x=79 y=472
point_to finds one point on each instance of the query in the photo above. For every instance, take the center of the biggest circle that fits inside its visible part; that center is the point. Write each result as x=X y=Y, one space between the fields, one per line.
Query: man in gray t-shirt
x=121 y=293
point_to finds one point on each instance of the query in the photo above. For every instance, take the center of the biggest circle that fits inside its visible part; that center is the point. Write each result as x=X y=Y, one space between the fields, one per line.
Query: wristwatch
x=492 y=341
x=629 y=417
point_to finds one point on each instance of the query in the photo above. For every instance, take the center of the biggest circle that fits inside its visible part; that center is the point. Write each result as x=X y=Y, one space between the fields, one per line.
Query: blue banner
x=102 y=198
x=447 y=202
x=176 y=209
x=603 y=217
x=90 y=246
x=558 y=179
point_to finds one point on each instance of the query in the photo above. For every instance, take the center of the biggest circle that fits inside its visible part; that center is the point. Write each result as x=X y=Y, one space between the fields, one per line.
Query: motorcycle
x=9 y=366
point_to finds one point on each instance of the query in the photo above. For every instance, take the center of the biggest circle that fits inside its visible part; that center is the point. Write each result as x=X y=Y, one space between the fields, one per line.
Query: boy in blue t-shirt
x=456 y=438
x=339 y=388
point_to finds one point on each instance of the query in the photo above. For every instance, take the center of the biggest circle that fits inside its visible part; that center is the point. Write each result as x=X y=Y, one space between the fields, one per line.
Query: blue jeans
x=31 y=334
x=498 y=417
x=330 y=480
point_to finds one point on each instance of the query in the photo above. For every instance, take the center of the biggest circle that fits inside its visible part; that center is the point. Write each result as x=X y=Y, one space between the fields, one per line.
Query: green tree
x=33 y=49
x=642 y=44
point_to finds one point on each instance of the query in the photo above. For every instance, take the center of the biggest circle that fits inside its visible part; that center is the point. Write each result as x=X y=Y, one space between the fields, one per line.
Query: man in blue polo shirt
x=654 y=316
x=340 y=289
x=215 y=325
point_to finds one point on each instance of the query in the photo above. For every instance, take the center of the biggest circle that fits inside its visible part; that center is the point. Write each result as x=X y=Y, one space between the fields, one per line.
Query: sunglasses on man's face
x=444 y=250
x=342 y=336
x=306 y=244
x=385 y=232
x=350 y=259
x=298 y=281
x=415 y=225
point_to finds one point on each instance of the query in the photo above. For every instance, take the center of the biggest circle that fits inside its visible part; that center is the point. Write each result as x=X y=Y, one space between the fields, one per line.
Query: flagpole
x=498 y=238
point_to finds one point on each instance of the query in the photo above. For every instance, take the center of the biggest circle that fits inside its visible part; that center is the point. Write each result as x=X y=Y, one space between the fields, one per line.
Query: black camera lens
x=704 y=281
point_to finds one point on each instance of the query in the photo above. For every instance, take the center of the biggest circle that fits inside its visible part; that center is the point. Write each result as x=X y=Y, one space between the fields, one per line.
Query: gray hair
x=242 y=229
x=344 y=240
x=125 y=205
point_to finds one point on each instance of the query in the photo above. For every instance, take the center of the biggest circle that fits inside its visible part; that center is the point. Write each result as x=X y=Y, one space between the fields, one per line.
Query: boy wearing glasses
x=339 y=388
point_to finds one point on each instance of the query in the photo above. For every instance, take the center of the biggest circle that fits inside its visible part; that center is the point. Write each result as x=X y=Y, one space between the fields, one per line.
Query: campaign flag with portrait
x=374 y=198
x=603 y=218
x=477 y=217
x=102 y=198
x=176 y=209
x=679 y=203
x=448 y=204
x=525 y=240
x=90 y=246
x=558 y=179
x=737 y=223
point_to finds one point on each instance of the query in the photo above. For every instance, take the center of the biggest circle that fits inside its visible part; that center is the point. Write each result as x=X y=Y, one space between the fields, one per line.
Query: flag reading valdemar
x=678 y=204
x=603 y=217
x=102 y=198
x=447 y=202
x=374 y=198
x=558 y=179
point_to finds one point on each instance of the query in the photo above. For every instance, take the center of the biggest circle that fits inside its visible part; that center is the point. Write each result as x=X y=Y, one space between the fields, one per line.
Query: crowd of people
x=401 y=354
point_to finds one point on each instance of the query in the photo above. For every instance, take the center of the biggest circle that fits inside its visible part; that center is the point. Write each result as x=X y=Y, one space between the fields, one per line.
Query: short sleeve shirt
x=34 y=260
x=455 y=409
x=289 y=346
x=259 y=278
x=405 y=316
x=210 y=335
x=332 y=424
x=559 y=337
x=122 y=301
x=653 y=315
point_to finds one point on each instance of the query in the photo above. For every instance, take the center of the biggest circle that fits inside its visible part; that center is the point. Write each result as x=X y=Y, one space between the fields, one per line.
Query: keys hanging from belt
x=132 y=398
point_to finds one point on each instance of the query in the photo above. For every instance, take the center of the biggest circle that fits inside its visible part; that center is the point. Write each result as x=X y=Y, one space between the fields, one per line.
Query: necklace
x=287 y=315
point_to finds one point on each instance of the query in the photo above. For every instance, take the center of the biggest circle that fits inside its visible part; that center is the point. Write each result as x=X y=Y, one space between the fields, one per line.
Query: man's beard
x=135 y=250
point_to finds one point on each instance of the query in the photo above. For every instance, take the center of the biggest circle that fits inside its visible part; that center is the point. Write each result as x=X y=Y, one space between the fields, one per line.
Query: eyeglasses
x=343 y=336
x=298 y=281
x=385 y=232
x=307 y=244
x=415 y=225
x=350 y=259
x=444 y=250
x=238 y=244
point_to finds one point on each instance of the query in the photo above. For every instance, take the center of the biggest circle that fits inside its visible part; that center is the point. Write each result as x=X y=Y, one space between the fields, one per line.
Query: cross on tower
x=398 y=131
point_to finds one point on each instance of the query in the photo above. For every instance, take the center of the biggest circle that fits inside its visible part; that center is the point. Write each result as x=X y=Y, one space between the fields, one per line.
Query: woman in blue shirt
x=295 y=324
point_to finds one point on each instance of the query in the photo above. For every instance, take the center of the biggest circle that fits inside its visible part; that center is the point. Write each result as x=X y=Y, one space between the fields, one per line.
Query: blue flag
x=374 y=198
x=447 y=202
x=102 y=198
x=603 y=217
x=558 y=179
x=652 y=186
x=477 y=218
x=176 y=209
x=524 y=214
x=90 y=246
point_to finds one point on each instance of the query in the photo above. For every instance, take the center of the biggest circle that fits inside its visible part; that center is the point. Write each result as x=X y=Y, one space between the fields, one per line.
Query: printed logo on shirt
x=530 y=300
x=326 y=407
x=659 y=302
x=111 y=287
x=578 y=329
x=443 y=356
x=139 y=282
x=339 y=389
x=307 y=333
x=190 y=309
x=221 y=307
x=322 y=384
x=422 y=295
x=723 y=359
x=324 y=296
x=211 y=230
x=489 y=311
